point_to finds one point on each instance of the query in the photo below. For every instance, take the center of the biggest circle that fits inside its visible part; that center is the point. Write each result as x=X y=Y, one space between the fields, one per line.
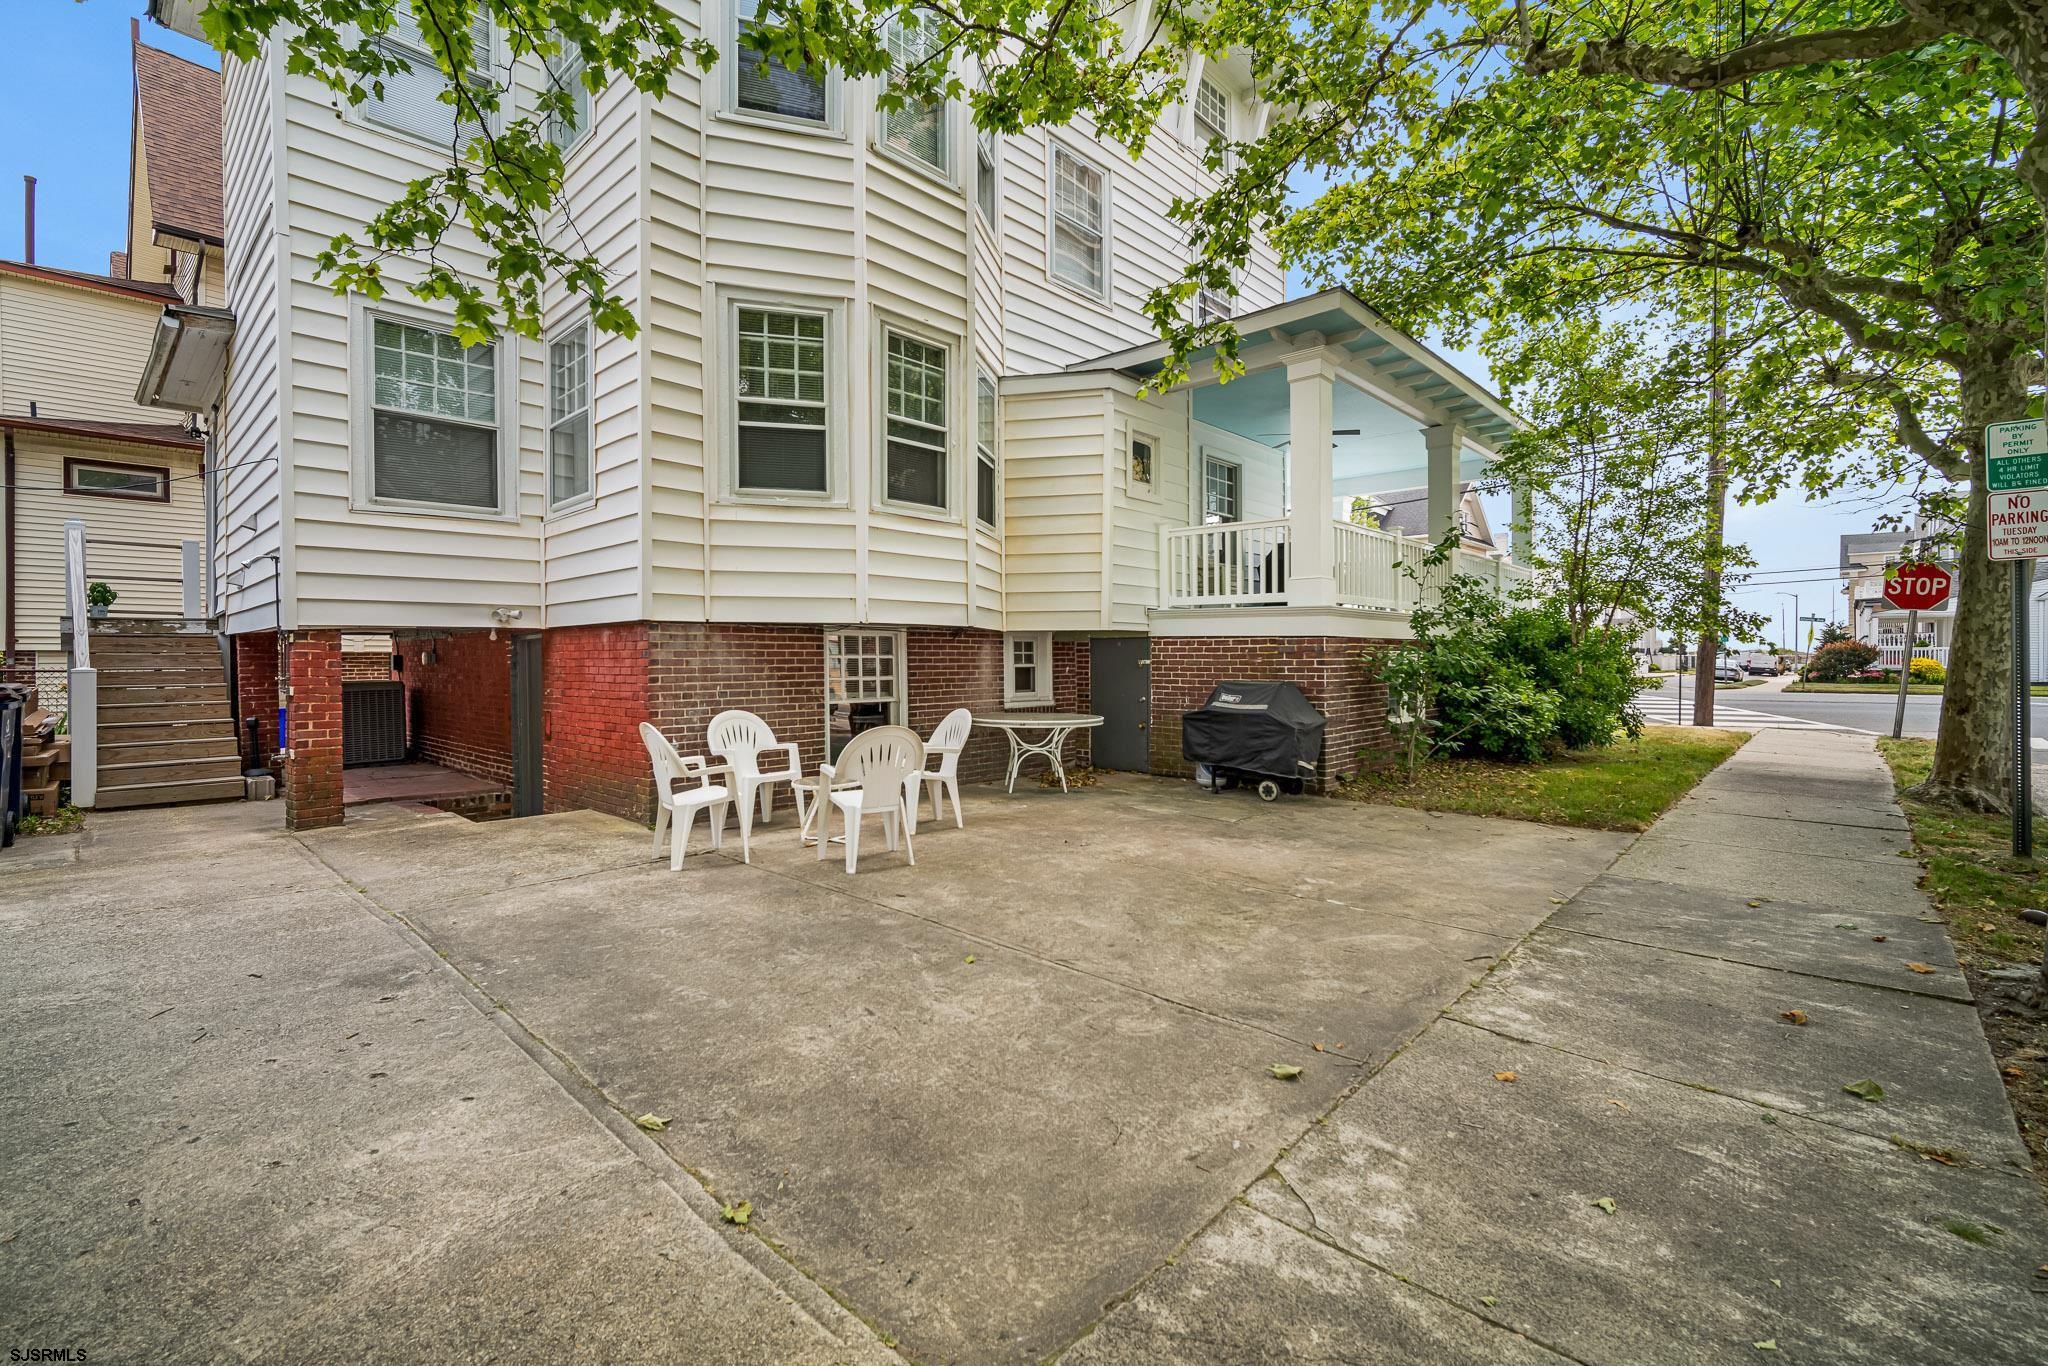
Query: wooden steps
x=166 y=728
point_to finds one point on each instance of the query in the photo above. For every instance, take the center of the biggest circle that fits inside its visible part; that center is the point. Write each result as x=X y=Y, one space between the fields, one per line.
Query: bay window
x=916 y=440
x=432 y=419
x=782 y=435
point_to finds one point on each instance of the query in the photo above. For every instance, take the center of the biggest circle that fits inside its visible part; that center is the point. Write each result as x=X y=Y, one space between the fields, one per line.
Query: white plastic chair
x=741 y=738
x=677 y=811
x=947 y=741
x=877 y=767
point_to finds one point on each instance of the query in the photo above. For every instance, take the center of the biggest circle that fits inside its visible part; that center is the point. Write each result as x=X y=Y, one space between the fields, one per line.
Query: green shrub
x=1833 y=663
x=1503 y=681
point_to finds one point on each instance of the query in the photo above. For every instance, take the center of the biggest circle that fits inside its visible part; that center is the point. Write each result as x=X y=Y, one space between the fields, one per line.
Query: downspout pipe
x=13 y=540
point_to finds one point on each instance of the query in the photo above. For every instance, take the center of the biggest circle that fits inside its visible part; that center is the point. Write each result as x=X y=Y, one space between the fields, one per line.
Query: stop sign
x=1918 y=586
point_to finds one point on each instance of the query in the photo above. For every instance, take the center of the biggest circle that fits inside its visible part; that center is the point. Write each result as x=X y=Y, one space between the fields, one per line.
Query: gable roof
x=85 y=279
x=177 y=121
x=1406 y=511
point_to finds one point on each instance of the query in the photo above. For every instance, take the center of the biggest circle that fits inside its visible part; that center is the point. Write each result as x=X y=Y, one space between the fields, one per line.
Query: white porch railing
x=1244 y=564
x=1227 y=564
x=1891 y=653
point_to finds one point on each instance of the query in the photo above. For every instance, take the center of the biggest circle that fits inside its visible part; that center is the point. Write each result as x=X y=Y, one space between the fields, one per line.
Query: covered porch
x=1315 y=465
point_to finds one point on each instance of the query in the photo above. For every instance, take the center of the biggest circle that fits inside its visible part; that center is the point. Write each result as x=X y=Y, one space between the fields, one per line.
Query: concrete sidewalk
x=1618 y=1148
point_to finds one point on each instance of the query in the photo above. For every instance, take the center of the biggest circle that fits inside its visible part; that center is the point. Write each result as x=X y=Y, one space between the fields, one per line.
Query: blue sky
x=66 y=109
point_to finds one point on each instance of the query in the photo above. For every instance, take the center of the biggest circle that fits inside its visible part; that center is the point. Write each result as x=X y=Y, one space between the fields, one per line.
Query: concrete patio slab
x=1719 y=1025
x=278 y=1127
x=1252 y=1288
x=1730 y=1227
x=1771 y=934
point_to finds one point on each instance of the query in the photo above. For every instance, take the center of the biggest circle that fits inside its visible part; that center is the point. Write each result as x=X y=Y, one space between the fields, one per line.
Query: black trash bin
x=1262 y=734
x=11 y=797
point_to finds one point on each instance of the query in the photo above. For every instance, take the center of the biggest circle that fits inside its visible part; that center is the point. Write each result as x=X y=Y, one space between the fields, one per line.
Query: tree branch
x=1655 y=64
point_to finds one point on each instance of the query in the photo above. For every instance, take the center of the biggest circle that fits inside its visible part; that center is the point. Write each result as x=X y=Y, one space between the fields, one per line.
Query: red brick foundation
x=458 y=692
x=19 y=667
x=1327 y=669
x=600 y=682
x=365 y=666
x=256 y=654
x=312 y=763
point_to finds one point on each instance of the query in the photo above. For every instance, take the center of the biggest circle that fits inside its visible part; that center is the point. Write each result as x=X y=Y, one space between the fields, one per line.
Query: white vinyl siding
x=569 y=418
x=411 y=102
x=1078 y=211
x=916 y=439
x=783 y=442
x=915 y=131
x=764 y=88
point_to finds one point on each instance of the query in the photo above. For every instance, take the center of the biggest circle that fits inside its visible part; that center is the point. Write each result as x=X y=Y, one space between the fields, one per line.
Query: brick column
x=312 y=761
x=256 y=688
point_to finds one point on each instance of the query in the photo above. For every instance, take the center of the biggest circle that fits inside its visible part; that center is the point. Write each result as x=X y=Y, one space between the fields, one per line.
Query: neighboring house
x=1405 y=512
x=882 y=446
x=1865 y=558
x=78 y=443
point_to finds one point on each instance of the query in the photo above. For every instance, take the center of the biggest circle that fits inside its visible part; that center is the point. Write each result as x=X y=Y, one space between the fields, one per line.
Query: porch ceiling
x=1387 y=452
x=1381 y=355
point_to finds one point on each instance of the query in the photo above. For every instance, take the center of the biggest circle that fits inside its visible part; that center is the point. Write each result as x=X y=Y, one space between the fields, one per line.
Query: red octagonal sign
x=1918 y=586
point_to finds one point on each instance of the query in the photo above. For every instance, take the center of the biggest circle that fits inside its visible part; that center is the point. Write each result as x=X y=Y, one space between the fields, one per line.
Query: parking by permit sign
x=2019 y=525
x=2016 y=456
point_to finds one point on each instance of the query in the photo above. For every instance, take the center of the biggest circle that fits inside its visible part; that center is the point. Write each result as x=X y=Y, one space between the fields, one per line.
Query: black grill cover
x=1264 y=728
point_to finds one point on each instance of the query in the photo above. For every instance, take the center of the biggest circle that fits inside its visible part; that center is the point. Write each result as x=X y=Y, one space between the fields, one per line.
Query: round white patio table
x=1053 y=728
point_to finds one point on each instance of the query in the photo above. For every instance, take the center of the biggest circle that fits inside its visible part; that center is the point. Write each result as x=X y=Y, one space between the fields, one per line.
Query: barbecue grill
x=1258 y=734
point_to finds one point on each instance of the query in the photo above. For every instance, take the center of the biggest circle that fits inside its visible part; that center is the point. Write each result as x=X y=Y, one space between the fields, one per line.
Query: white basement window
x=1080 y=246
x=863 y=684
x=434 y=418
x=917 y=438
x=782 y=434
x=411 y=102
x=764 y=86
x=111 y=479
x=1027 y=671
x=569 y=418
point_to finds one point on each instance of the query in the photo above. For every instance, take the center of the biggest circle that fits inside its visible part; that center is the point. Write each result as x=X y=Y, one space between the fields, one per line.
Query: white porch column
x=1523 y=533
x=1311 y=544
x=1444 y=442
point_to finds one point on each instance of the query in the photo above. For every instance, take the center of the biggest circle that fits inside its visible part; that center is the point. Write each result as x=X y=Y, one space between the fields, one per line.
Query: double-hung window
x=1080 y=244
x=1213 y=305
x=1027 y=669
x=1212 y=111
x=565 y=72
x=985 y=188
x=916 y=439
x=916 y=131
x=569 y=418
x=433 y=418
x=985 y=450
x=765 y=87
x=1221 y=482
x=412 y=101
x=781 y=434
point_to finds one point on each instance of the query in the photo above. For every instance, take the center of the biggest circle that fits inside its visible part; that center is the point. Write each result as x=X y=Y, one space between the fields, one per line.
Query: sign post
x=2016 y=469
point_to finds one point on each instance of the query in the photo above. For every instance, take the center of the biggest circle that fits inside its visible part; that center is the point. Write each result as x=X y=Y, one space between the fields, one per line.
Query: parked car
x=1725 y=672
x=1768 y=668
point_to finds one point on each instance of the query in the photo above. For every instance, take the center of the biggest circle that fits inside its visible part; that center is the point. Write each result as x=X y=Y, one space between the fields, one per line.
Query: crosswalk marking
x=1661 y=707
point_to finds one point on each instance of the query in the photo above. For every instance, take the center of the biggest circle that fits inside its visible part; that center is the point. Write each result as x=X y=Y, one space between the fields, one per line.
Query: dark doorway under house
x=1120 y=680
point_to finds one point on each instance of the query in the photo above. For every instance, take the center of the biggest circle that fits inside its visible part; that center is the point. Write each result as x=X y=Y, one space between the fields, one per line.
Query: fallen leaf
x=1286 y=1071
x=1488 y=1300
x=1504 y=1076
x=1617 y=1105
x=1919 y=967
x=1775 y=1281
x=1606 y=1203
x=653 y=1123
x=1767 y=1345
x=1797 y=1017
x=1845 y=927
x=970 y=958
x=1986 y=927
x=1866 y=1089
x=1878 y=938
x=1318 y=1047
x=1557 y=901
x=737 y=1214
x=2016 y=1071
x=1756 y=903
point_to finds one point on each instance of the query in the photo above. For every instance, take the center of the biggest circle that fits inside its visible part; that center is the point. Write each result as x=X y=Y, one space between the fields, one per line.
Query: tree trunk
x=1717 y=532
x=1971 y=768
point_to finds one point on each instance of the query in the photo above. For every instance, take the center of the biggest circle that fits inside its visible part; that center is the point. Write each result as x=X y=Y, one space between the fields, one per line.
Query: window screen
x=412 y=101
x=569 y=418
x=985 y=449
x=1212 y=110
x=916 y=130
x=917 y=421
x=763 y=85
x=1079 y=248
x=435 y=417
x=781 y=393
x=565 y=69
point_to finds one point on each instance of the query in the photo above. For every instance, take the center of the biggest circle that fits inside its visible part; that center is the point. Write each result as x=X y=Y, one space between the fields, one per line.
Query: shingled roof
x=177 y=115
